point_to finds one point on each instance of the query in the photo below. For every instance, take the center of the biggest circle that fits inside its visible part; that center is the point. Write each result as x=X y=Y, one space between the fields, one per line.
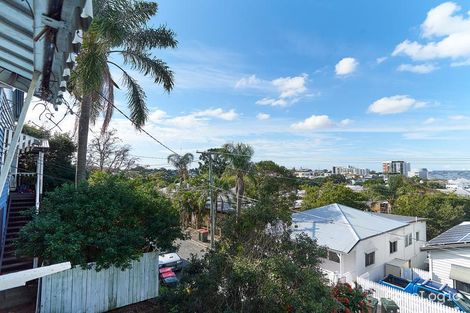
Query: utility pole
x=213 y=213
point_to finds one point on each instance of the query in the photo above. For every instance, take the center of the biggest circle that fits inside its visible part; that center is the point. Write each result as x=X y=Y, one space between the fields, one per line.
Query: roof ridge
x=349 y=222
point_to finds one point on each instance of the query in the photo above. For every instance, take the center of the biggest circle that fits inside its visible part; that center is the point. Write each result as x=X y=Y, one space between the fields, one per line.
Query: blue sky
x=314 y=83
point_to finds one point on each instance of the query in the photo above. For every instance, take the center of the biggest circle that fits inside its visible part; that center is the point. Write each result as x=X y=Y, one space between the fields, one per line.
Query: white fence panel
x=87 y=291
x=412 y=273
x=407 y=303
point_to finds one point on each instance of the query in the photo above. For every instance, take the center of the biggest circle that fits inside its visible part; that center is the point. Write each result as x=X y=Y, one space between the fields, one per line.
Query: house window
x=408 y=240
x=333 y=256
x=417 y=236
x=370 y=258
x=393 y=247
x=461 y=286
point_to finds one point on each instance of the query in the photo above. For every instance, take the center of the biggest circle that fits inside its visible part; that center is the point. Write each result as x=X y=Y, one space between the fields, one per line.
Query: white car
x=172 y=260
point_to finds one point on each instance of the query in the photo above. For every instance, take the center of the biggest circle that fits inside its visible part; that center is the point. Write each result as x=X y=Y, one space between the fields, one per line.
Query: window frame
x=466 y=285
x=369 y=258
x=408 y=240
x=333 y=253
x=393 y=245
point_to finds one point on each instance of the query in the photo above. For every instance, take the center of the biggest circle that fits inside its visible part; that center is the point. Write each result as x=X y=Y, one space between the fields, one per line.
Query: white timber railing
x=407 y=303
x=412 y=273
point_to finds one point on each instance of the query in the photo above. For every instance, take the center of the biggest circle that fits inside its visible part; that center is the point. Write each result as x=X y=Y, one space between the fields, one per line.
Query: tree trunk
x=83 y=127
x=240 y=190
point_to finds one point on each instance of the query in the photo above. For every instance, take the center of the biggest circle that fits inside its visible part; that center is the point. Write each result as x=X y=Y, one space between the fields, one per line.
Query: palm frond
x=135 y=100
x=115 y=19
x=108 y=102
x=88 y=74
x=143 y=39
x=143 y=62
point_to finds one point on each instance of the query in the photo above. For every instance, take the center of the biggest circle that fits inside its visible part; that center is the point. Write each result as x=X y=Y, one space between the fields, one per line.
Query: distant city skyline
x=311 y=84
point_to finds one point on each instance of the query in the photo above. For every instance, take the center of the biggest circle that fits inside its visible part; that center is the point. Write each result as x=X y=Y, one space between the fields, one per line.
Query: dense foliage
x=256 y=268
x=352 y=299
x=109 y=220
x=441 y=210
x=330 y=193
x=58 y=167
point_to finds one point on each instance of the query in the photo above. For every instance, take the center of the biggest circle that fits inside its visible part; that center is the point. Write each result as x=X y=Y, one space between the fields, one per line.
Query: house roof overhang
x=446 y=246
x=41 y=36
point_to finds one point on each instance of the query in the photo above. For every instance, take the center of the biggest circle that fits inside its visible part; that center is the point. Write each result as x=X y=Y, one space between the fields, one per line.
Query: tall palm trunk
x=83 y=126
x=240 y=190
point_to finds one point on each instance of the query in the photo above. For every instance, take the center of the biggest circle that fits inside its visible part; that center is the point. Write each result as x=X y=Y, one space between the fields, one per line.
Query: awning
x=41 y=36
x=460 y=273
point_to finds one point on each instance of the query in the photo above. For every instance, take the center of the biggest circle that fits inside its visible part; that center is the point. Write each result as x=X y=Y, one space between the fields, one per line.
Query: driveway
x=189 y=246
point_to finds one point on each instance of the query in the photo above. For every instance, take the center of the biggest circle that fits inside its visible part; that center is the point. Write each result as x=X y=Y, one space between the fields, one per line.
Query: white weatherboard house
x=361 y=243
x=449 y=257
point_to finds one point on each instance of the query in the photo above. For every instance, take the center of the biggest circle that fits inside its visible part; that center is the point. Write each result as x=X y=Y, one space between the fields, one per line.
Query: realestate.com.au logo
x=439 y=297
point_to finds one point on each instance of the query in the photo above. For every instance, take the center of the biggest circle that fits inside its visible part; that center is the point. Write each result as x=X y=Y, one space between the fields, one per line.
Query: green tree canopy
x=442 y=211
x=330 y=193
x=109 y=220
x=255 y=270
x=58 y=167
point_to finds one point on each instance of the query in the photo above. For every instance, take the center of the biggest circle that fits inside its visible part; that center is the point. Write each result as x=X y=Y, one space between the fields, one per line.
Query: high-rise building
x=396 y=167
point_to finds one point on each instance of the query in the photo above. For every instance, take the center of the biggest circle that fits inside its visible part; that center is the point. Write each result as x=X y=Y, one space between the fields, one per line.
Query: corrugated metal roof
x=340 y=227
x=401 y=218
x=43 y=36
x=459 y=234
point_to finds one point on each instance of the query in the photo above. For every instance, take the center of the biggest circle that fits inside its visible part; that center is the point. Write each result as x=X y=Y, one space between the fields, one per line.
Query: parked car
x=168 y=277
x=172 y=260
x=431 y=290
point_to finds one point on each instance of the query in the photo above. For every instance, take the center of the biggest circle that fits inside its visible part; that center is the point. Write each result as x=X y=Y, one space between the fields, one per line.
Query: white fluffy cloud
x=429 y=121
x=250 y=81
x=314 y=122
x=446 y=33
x=218 y=113
x=272 y=102
x=395 y=104
x=417 y=68
x=263 y=116
x=346 y=122
x=198 y=118
x=346 y=66
x=291 y=86
x=381 y=60
x=157 y=115
x=290 y=89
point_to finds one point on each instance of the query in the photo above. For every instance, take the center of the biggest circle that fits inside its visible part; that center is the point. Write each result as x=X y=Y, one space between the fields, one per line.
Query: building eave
x=41 y=36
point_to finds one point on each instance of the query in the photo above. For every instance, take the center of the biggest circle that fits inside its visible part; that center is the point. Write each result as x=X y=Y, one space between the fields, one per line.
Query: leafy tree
x=255 y=270
x=336 y=179
x=330 y=193
x=118 y=31
x=273 y=180
x=181 y=163
x=58 y=167
x=109 y=220
x=219 y=162
x=396 y=186
x=239 y=156
x=441 y=210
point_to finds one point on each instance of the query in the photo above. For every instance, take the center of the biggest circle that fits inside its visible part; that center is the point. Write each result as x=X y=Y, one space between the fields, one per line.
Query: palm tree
x=239 y=156
x=181 y=162
x=118 y=37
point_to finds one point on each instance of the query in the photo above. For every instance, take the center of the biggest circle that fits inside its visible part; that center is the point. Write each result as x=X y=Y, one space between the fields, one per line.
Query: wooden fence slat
x=86 y=291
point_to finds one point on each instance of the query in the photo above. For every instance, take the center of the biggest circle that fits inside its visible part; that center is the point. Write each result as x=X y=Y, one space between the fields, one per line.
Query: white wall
x=381 y=245
x=441 y=261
